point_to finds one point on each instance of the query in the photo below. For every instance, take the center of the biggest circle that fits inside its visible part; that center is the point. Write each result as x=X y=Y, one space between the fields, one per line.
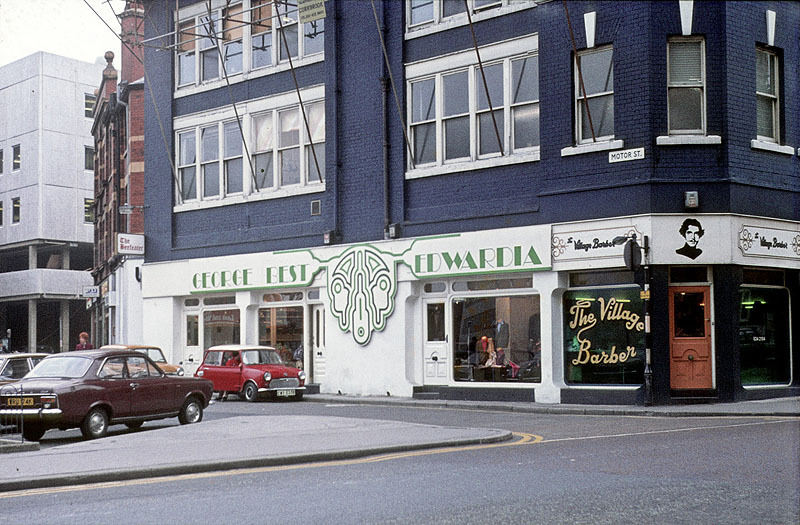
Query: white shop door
x=436 y=349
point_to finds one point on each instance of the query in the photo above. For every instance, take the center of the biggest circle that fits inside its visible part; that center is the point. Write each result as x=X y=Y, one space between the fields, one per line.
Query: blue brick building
x=591 y=202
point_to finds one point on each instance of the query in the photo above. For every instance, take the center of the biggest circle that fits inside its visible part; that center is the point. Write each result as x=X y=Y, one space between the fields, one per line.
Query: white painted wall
x=42 y=110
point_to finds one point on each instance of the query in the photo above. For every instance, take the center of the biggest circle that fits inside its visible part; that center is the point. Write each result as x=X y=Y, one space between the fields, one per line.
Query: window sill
x=591 y=148
x=688 y=140
x=771 y=146
x=253 y=197
x=458 y=167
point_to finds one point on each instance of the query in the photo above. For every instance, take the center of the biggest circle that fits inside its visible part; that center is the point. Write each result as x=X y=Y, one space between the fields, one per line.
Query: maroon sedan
x=251 y=371
x=92 y=389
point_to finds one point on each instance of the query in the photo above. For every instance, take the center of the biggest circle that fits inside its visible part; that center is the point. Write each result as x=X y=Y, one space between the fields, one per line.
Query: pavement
x=263 y=441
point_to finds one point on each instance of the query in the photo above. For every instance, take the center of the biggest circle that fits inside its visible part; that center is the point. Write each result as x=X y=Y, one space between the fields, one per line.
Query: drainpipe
x=337 y=91
x=385 y=123
x=128 y=158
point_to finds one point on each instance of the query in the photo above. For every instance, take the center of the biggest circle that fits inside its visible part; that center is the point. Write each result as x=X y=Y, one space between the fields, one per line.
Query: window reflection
x=764 y=335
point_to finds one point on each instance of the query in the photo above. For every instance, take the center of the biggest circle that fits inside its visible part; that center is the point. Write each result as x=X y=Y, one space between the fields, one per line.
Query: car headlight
x=267 y=377
x=199 y=373
x=180 y=371
x=301 y=375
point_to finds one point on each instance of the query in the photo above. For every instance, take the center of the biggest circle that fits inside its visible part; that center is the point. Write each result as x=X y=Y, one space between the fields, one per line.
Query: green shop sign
x=362 y=279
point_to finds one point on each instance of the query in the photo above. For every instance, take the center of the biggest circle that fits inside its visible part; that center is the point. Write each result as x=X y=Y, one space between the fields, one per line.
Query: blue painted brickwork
x=731 y=177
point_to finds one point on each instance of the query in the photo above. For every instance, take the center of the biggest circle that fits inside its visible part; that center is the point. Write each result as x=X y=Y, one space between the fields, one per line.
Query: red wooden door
x=690 y=338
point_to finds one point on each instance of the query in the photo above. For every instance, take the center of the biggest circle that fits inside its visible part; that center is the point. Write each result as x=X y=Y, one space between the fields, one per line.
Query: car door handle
x=134 y=385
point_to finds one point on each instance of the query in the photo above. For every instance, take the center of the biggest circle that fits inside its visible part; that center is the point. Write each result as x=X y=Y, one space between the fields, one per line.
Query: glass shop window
x=282 y=329
x=221 y=327
x=497 y=338
x=764 y=335
x=604 y=342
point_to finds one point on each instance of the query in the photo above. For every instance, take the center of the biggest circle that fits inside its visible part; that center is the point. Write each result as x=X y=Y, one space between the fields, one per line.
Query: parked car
x=15 y=366
x=251 y=372
x=154 y=353
x=92 y=389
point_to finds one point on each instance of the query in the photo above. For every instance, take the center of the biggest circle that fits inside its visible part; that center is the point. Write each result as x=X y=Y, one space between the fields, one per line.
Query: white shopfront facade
x=393 y=317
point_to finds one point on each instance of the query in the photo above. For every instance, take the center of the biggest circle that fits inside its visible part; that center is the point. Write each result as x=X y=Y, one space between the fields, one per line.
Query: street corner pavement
x=239 y=442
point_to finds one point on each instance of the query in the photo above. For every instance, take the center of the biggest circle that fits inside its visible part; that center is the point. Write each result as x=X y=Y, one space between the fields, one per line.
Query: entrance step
x=426 y=395
x=691 y=397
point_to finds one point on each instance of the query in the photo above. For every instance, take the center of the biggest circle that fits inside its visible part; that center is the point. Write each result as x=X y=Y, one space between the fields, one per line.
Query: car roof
x=128 y=347
x=24 y=354
x=235 y=348
x=100 y=353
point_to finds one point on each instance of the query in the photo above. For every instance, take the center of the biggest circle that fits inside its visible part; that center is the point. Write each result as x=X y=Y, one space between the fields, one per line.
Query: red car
x=251 y=371
x=92 y=389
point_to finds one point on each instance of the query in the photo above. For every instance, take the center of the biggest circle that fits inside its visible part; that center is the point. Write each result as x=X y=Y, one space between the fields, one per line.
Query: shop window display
x=282 y=329
x=497 y=339
x=764 y=335
x=604 y=341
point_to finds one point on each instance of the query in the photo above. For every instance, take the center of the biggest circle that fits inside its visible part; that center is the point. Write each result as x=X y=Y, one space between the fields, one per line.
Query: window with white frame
x=279 y=158
x=594 y=95
x=209 y=161
x=187 y=169
x=767 y=96
x=449 y=112
x=237 y=39
x=686 y=83
x=431 y=12
x=232 y=157
x=212 y=165
x=232 y=39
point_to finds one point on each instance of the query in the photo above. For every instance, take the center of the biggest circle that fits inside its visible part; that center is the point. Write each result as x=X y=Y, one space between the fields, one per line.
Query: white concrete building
x=46 y=199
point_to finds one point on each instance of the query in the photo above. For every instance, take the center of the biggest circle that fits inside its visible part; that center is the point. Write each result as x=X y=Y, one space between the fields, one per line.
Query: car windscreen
x=261 y=357
x=61 y=366
x=153 y=353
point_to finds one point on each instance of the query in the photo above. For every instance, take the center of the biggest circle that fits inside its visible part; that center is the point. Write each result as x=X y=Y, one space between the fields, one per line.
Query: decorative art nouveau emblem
x=361 y=289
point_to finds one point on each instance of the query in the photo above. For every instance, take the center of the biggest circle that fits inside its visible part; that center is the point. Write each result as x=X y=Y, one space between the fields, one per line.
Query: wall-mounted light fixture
x=691 y=199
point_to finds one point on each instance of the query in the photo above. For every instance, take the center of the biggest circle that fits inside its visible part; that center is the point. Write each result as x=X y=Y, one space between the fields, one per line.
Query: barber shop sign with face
x=692 y=232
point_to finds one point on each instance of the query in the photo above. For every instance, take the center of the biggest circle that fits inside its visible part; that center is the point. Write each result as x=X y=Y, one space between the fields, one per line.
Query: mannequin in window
x=501 y=340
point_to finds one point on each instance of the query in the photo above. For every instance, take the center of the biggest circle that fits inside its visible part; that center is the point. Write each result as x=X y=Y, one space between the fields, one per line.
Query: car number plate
x=20 y=401
x=286 y=392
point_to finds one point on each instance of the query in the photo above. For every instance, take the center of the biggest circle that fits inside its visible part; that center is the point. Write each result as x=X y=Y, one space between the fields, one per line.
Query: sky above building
x=63 y=27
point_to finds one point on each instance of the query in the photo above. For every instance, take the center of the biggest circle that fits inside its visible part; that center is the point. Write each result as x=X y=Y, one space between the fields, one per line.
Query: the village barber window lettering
x=604 y=336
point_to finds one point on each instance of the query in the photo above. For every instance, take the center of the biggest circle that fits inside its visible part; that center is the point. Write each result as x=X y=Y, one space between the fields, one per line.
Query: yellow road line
x=523 y=439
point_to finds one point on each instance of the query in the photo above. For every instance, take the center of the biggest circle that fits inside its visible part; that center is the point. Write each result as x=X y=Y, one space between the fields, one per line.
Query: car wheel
x=133 y=425
x=95 y=424
x=298 y=396
x=191 y=412
x=33 y=432
x=250 y=391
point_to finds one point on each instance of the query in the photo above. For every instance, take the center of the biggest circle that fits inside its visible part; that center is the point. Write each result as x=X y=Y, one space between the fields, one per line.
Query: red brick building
x=119 y=188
